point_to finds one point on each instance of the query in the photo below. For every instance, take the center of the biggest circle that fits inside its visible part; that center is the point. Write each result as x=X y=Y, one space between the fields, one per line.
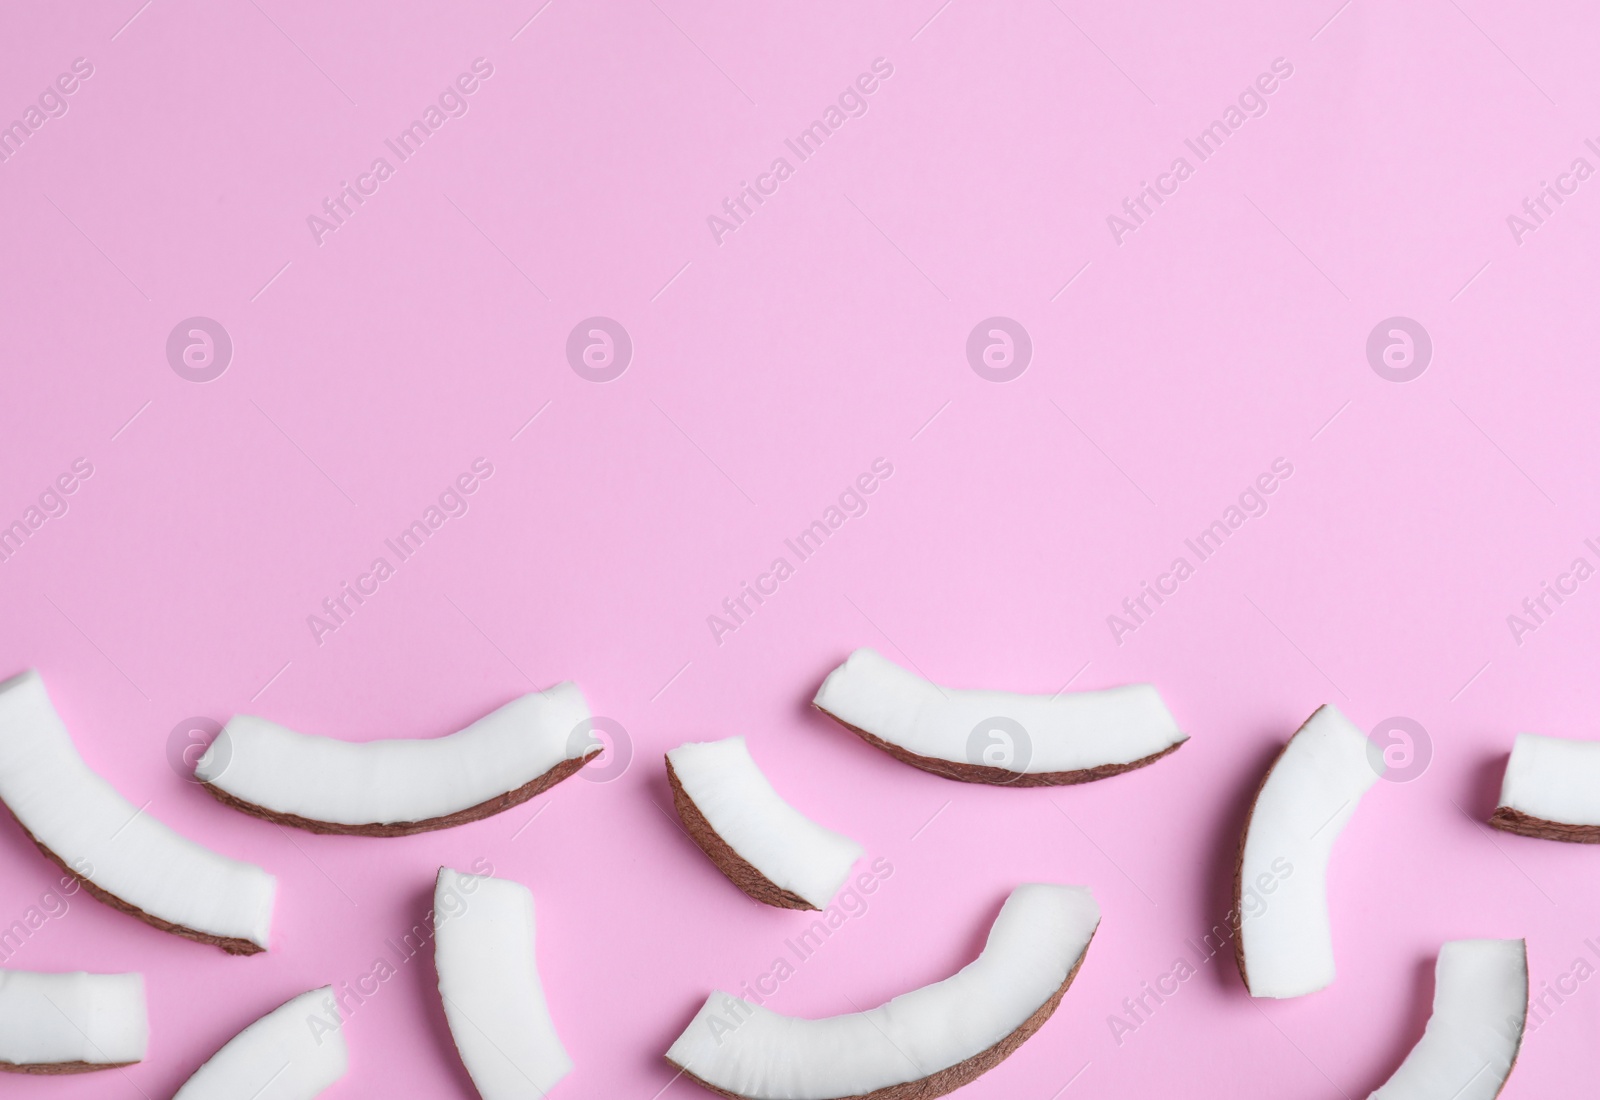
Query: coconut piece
x=917 y=1046
x=71 y=1023
x=292 y=1053
x=489 y=982
x=120 y=853
x=1480 y=1007
x=765 y=846
x=399 y=786
x=996 y=736
x=1551 y=790
x=1282 y=935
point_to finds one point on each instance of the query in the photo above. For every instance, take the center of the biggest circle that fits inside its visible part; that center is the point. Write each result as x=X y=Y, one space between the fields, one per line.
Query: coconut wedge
x=293 y=1052
x=396 y=786
x=1551 y=790
x=1283 y=938
x=488 y=980
x=995 y=736
x=71 y=1023
x=765 y=846
x=121 y=854
x=921 y=1044
x=1480 y=1006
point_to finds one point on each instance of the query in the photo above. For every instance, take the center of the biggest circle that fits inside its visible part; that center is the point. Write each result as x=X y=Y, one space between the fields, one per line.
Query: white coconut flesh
x=1553 y=779
x=489 y=983
x=63 y=1019
x=736 y=799
x=397 y=779
x=1480 y=1004
x=747 y=1050
x=1070 y=732
x=293 y=1052
x=118 y=847
x=1311 y=791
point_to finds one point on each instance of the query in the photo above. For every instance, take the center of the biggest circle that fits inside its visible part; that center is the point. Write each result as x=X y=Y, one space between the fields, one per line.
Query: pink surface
x=769 y=370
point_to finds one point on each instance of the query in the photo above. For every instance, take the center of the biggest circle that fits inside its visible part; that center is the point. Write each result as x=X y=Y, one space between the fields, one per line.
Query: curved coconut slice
x=1283 y=939
x=488 y=980
x=292 y=1053
x=122 y=855
x=765 y=846
x=920 y=1045
x=1551 y=790
x=397 y=787
x=1480 y=1004
x=996 y=736
x=71 y=1023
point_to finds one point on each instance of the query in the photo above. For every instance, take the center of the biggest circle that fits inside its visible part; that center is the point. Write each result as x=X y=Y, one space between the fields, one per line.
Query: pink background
x=769 y=372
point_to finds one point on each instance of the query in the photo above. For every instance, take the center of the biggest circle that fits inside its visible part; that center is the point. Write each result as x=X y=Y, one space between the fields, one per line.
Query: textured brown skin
x=231 y=945
x=999 y=777
x=1236 y=915
x=498 y=804
x=1515 y=821
x=952 y=1077
x=59 y=1069
x=740 y=871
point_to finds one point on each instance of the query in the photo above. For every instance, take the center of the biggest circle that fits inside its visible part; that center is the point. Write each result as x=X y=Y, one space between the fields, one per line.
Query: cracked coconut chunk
x=489 y=983
x=71 y=1023
x=1480 y=1005
x=293 y=1052
x=921 y=1044
x=765 y=846
x=122 y=854
x=1551 y=790
x=400 y=786
x=997 y=736
x=1285 y=938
